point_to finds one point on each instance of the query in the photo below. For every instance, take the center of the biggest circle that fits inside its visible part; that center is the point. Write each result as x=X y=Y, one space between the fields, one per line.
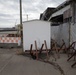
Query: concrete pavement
x=13 y=64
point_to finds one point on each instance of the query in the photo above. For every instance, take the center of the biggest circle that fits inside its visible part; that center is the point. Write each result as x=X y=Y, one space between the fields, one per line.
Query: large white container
x=36 y=30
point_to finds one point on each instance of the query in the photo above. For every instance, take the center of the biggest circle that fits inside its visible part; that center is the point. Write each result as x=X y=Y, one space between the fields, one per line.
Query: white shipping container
x=36 y=30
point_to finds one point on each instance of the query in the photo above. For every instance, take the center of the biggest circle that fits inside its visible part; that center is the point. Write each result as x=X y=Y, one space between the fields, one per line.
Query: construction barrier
x=10 y=40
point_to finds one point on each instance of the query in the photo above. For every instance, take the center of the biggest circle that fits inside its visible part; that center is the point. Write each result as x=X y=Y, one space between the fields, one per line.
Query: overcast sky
x=9 y=10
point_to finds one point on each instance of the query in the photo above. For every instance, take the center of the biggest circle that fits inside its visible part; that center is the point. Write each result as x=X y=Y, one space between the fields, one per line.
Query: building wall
x=36 y=30
x=74 y=12
x=61 y=32
x=68 y=13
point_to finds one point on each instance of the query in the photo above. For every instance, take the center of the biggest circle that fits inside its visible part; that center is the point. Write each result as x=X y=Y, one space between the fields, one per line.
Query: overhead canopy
x=59 y=12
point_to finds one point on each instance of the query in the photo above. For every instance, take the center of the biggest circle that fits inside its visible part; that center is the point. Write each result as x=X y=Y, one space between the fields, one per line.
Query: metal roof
x=35 y=20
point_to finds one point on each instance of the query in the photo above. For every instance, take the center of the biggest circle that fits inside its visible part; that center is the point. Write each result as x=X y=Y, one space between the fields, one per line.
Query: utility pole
x=72 y=4
x=72 y=9
x=27 y=17
x=20 y=12
x=21 y=22
x=69 y=32
x=69 y=25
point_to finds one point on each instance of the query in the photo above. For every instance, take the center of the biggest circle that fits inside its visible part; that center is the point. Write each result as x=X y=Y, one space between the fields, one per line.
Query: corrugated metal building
x=63 y=22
